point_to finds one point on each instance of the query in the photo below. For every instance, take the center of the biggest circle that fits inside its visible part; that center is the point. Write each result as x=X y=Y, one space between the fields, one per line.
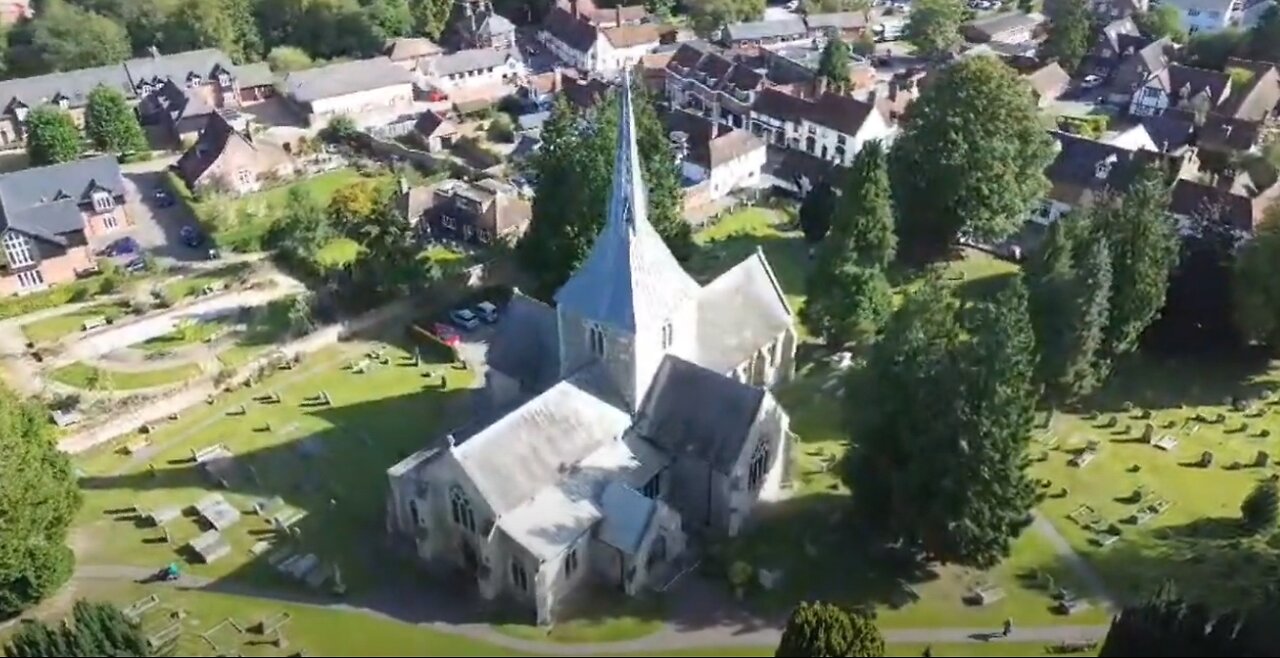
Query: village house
x=715 y=159
x=481 y=27
x=599 y=457
x=1204 y=15
x=845 y=25
x=410 y=52
x=1235 y=202
x=1013 y=28
x=204 y=77
x=1048 y=82
x=435 y=132
x=14 y=11
x=1134 y=66
x=703 y=80
x=50 y=215
x=831 y=127
x=477 y=213
x=478 y=69
x=226 y=158
x=371 y=92
x=1182 y=87
x=575 y=39
x=1083 y=170
x=765 y=33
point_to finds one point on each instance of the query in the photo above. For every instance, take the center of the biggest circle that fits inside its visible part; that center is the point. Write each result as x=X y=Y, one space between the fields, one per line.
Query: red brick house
x=48 y=215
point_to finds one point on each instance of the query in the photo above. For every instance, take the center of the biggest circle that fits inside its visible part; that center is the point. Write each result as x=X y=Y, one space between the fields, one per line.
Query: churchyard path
x=394 y=606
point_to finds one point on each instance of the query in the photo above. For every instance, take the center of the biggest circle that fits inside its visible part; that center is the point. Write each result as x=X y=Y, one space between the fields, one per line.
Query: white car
x=792 y=5
x=1090 y=81
x=464 y=318
x=487 y=312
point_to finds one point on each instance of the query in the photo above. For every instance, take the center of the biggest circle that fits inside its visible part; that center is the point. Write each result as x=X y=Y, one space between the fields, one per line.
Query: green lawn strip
x=80 y=375
x=195 y=333
x=194 y=284
x=735 y=237
x=994 y=648
x=11 y=307
x=329 y=462
x=54 y=328
x=610 y=619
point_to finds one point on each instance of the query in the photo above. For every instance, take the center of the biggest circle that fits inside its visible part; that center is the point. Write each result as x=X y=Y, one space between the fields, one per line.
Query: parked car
x=487 y=312
x=121 y=247
x=162 y=197
x=792 y=5
x=1090 y=81
x=464 y=318
x=191 y=236
x=136 y=265
x=446 y=334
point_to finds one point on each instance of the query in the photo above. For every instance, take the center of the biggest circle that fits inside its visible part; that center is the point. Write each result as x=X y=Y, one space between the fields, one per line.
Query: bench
x=93 y=323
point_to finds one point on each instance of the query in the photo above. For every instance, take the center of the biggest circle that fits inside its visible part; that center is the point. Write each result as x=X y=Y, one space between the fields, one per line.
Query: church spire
x=629 y=280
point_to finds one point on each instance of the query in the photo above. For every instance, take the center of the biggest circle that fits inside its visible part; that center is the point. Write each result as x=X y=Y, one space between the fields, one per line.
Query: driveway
x=156 y=228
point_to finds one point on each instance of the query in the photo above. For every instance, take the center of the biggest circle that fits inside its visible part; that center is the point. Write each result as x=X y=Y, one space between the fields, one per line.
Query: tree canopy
x=934 y=27
x=833 y=66
x=817 y=629
x=94 y=629
x=938 y=447
x=1160 y=22
x=38 y=500
x=67 y=38
x=575 y=167
x=1210 y=50
x=1264 y=36
x=709 y=16
x=970 y=158
x=52 y=136
x=1167 y=625
x=1256 y=283
x=430 y=16
x=111 y=124
x=815 y=212
x=1260 y=508
x=1070 y=30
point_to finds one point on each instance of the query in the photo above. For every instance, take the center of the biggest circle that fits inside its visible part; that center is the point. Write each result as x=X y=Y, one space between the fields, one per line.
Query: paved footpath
x=670 y=638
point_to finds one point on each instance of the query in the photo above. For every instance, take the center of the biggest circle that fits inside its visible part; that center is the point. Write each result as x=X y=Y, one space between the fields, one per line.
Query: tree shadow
x=1154 y=382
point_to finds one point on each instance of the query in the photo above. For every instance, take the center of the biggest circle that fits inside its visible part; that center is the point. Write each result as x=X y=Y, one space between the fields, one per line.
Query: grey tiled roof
x=841 y=20
x=526 y=345
x=467 y=60
x=739 y=312
x=44 y=201
x=257 y=74
x=630 y=279
x=344 y=78
x=751 y=31
x=72 y=85
x=627 y=513
x=674 y=415
x=993 y=26
x=206 y=63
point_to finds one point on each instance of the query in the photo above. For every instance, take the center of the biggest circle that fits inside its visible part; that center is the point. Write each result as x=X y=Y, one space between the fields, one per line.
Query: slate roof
x=711 y=144
x=840 y=20
x=176 y=102
x=344 y=78
x=1187 y=82
x=1194 y=199
x=44 y=202
x=207 y=149
x=526 y=344
x=1075 y=167
x=1171 y=130
x=257 y=74
x=739 y=312
x=755 y=30
x=72 y=85
x=1257 y=100
x=576 y=32
x=834 y=111
x=629 y=279
x=991 y=27
x=463 y=61
x=674 y=413
x=431 y=123
x=206 y=63
x=496 y=25
x=627 y=514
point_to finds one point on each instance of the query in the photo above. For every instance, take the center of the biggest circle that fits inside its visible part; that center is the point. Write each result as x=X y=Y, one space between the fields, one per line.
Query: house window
x=21 y=113
x=460 y=509
x=759 y=466
x=30 y=279
x=519 y=577
x=16 y=250
x=668 y=335
x=102 y=202
x=571 y=562
x=467 y=231
x=110 y=222
x=244 y=177
x=1193 y=12
x=484 y=235
x=448 y=222
x=224 y=80
x=652 y=487
x=596 y=335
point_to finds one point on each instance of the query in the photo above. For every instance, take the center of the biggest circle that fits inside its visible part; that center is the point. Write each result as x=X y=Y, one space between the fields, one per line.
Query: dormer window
x=195 y=80
x=102 y=201
x=146 y=88
x=17 y=251
x=224 y=79
x=668 y=335
x=595 y=336
x=20 y=112
x=63 y=103
x=1103 y=169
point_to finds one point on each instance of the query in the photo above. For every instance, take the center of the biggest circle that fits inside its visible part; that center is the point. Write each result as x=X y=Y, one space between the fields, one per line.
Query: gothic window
x=571 y=562
x=759 y=466
x=519 y=577
x=668 y=335
x=460 y=507
x=596 y=335
x=652 y=487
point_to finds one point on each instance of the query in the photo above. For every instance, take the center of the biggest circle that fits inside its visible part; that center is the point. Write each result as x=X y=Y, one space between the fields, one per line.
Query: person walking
x=1008 y=628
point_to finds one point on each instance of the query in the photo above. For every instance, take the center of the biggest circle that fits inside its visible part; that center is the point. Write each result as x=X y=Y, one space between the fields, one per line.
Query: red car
x=447 y=335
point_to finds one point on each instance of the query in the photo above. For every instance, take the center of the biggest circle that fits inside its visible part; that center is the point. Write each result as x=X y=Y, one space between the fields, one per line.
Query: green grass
x=80 y=375
x=55 y=328
x=192 y=334
x=997 y=648
x=608 y=618
x=339 y=480
x=12 y=307
x=190 y=286
x=732 y=239
x=339 y=252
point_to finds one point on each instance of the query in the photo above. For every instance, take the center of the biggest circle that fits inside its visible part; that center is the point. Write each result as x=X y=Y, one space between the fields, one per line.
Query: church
x=632 y=416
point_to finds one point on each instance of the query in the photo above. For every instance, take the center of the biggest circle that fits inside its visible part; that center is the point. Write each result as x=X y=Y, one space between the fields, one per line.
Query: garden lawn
x=197 y=332
x=194 y=284
x=328 y=462
x=1197 y=542
x=53 y=329
x=80 y=375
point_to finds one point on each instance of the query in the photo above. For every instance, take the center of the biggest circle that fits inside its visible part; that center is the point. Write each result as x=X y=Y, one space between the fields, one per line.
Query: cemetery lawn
x=327 y=462
x=611 y=619
x=197 y=332
x=54 y=328
x=194 y=284
x=729 y=241
x=80 y=375
x=1196 y=542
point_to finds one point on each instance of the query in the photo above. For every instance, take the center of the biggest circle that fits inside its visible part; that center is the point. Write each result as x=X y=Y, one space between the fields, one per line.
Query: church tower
x=630 y=302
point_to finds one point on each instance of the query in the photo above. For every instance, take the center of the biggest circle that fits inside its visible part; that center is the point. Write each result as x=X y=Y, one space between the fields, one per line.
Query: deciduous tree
x=709 y=16
x=68 y=38
x=283 y=59
x=1160 y=22
x=1260 y=508
x=1070 y=29
x=38 y=500
x=1256 y=284
x=1210 y=50
x=833 y=66
x=52 y=136
x=1264 y=36
x=430 y=16
x=970 y=158
x=111 y=124
x=817 y=629
x=392 y=17
x=934 y=27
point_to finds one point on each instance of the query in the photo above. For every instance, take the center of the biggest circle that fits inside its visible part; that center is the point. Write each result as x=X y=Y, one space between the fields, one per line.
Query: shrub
x=501 y=129
x=1092 y=126
x=823 y=629
x=1260 y=508
x=740 y=576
